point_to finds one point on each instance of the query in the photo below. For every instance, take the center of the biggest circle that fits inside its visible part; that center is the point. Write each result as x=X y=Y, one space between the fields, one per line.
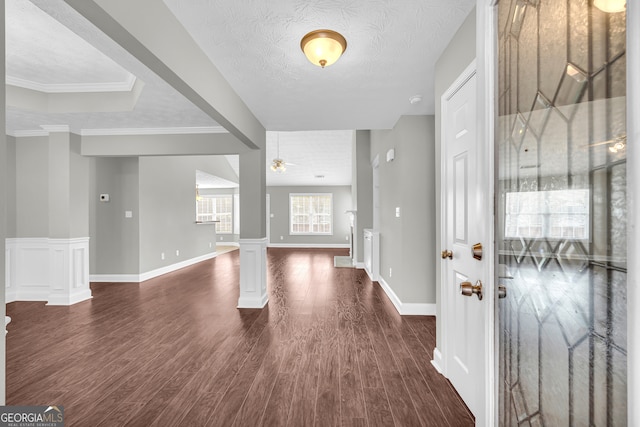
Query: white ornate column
x=253 y=273
x=253 y=230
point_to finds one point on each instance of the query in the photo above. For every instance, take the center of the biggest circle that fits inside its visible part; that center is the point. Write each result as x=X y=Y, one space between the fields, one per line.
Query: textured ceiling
x=43 y=51
x=392 y=49
x=159 y=105
x=391 y=54
x=310 y=154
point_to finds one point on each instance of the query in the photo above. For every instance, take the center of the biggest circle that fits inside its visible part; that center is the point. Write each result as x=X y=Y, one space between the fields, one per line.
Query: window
x=216 y=208
x=562 y=214
x=311 y=213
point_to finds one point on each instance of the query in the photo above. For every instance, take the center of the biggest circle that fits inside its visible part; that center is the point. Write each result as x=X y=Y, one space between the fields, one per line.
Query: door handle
x=502 y=291
x=476 y=251
x=468 y=289
x=446 y=254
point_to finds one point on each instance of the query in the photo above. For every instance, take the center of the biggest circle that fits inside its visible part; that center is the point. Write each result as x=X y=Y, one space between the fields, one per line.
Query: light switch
x=128 y=214
x=397 y=212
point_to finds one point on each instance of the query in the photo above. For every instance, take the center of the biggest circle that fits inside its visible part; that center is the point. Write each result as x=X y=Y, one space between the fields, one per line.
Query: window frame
x=311 y=215
x=219 y=223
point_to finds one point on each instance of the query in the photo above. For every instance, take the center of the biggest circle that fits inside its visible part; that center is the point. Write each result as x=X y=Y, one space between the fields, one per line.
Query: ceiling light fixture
x=611 y=6
x=278 y=165
x=323 y=47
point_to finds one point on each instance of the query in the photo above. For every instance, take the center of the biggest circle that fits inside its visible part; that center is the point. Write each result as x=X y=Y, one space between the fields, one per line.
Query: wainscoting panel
x=52 y=270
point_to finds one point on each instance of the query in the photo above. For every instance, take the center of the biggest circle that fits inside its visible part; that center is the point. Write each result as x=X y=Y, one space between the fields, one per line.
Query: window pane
x=216 y=208
x=311 y=213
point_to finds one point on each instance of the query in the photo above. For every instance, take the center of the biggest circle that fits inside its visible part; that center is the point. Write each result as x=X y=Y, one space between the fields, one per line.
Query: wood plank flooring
x=328 y=350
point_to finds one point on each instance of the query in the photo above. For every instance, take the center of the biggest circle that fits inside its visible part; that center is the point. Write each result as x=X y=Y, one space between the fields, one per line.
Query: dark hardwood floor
x=329 y=349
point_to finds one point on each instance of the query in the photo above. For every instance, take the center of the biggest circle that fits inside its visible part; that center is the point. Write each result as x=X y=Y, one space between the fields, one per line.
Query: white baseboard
x=407 y=309
x=114 y=278
x=437 y=360
x=310 y=245
x=360 y=265
x=137 y=278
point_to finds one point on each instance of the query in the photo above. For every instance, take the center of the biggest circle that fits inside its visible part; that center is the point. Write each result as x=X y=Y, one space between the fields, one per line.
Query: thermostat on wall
x=104 y=197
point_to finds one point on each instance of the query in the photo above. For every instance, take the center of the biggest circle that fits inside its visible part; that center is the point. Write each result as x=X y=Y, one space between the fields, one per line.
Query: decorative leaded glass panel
x=561 y=140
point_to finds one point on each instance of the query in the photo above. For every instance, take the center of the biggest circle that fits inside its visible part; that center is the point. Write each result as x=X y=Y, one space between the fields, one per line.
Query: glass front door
x=561 y=230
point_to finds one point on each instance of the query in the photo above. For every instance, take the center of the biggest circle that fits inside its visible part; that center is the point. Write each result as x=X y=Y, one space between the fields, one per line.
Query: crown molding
x=153 y=131
x=28 y=133
x=55 y=128
x=125 y=86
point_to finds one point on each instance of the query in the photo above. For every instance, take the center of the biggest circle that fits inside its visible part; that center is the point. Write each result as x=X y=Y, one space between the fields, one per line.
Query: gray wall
x=406 y=243
x=455 y=58
x=362 y=189
x=168 y=210
x=32 y=187
x=115 y=241
x=279 y=223
x=11 y=187
x=160 y=193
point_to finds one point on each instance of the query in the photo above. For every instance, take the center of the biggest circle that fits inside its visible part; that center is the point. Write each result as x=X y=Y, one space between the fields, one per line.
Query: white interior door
x=463 y=327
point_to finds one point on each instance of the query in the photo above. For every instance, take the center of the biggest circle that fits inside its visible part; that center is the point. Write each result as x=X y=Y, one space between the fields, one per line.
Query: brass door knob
x=476 y=251
x=502 y=291
x=468 y=289
x=446 y=254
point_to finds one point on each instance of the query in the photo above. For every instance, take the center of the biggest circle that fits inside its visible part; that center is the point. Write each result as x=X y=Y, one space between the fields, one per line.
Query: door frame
x=633 y=211
x=487 y=58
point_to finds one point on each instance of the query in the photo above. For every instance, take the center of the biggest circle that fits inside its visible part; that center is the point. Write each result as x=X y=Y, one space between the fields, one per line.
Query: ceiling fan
x=619 y=143
x=279 y=165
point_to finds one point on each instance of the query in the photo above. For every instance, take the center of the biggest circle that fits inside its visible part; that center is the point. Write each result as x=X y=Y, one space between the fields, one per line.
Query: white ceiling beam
x=149 y=31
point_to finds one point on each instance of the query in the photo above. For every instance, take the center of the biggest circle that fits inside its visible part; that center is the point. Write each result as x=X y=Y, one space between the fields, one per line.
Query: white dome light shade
x=323 y=47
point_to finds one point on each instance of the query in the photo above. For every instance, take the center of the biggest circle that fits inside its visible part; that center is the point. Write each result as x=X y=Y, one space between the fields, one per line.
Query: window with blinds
x=311 y=213
x=216 y=208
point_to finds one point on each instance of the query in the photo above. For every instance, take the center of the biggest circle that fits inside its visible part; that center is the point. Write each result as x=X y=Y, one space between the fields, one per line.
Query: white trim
x=55 y=128
x=114 y=278
x=487 y=55
x=28 y=133
x=177 y=266
x=407 y=309
x=310 y=245
x=633 y=213
x=125 y=86
x=437 y=360
x=359 y=265
x=153 y=131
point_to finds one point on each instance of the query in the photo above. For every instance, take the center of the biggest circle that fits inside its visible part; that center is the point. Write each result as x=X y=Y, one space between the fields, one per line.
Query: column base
x=253 y=273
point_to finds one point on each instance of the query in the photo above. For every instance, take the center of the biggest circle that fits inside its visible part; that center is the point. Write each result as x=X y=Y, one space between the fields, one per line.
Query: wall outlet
x=177 y=252
x=209 y=244
x=162 y=256
x=346 y=237
x=221 y=238
x=398 y=212
x=128 y=214
x=390 y=271
x=281 y=237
